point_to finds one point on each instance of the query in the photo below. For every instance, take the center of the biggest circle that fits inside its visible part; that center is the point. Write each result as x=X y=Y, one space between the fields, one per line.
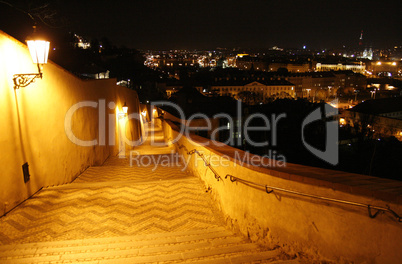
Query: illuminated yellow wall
x=32 y=124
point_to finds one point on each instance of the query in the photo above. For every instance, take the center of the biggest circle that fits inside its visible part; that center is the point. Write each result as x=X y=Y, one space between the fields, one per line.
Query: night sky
x=207 y=24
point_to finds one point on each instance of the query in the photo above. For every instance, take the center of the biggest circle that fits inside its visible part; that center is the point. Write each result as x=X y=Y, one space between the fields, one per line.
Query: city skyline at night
x=163 y=25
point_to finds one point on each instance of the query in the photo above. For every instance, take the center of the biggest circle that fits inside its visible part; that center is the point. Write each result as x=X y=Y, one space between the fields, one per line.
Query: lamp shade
x=38 y=47
x=39 y=50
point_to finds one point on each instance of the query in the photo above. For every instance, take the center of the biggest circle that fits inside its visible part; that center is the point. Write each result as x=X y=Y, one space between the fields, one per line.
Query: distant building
x=96 y=75
x=258 y=64
x=367 y=54
x=355 y=67
x=124 y=83
x=171 y=87
x=320 y=85
x=381 y=117
x=350 y=80
x=247 y=62
x=384 y=68
x=298 y=67
x=174 y=60
x=387 y=107
x=81 y=43
x=92 y=71
x=262 y=88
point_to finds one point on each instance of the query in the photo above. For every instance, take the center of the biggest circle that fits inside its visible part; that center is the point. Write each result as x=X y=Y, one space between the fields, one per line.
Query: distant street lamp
x=125 y=108
x=125 y=111
x=373 y=93
x=39 y=49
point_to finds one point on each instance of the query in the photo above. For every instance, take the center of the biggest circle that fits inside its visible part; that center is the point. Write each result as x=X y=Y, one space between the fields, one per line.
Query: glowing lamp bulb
x=39 y=50
x=125 y=108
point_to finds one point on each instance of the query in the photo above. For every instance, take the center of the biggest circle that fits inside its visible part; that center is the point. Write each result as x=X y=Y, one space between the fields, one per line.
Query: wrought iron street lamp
x=39 y=49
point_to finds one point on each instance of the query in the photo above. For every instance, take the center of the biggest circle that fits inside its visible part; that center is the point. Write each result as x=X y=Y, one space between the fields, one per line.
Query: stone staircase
x=215 y=245
x=117 y=213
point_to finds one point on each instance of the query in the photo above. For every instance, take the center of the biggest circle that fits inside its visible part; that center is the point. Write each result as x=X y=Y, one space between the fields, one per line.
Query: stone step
x=291 y=261
x=140 y=172
x=166 y=237
x=259 y=257
x=215 y=245
x=89 y=185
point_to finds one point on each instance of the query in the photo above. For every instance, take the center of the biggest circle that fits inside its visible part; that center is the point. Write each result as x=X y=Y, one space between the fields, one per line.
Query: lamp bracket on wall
x=23 y=80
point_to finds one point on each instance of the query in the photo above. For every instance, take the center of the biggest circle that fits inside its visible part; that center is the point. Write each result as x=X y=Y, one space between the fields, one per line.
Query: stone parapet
x=323 y=229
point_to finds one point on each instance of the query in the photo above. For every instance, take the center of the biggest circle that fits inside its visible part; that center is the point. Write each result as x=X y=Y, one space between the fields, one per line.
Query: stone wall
x=35 y=124
x=321 y=230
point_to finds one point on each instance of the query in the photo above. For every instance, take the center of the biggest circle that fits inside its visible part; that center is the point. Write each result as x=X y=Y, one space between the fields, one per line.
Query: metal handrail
x=272 y=189
x=182 y=146
x=217 y=177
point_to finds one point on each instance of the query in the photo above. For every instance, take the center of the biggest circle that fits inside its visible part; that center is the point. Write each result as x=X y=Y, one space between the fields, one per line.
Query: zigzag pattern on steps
x=121 y=214
x=56 y=214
